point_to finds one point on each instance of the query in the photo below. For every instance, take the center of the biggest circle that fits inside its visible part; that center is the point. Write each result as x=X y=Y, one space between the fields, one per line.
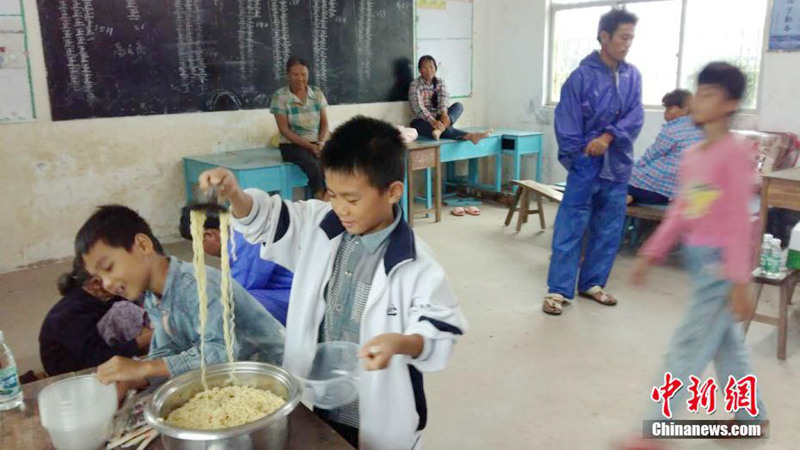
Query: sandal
x=472 y=211
x=553 y=304
x=458 y=211
x=599 y=295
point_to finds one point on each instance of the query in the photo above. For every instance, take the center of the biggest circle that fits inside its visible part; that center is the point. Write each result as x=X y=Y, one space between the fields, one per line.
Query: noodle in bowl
x=268 y=432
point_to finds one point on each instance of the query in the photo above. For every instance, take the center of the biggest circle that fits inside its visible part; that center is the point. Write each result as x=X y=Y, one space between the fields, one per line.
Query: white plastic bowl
x=78 y=413
x=333 y=381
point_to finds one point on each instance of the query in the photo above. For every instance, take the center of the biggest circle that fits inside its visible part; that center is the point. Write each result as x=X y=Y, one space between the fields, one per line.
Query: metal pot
x=269 y=432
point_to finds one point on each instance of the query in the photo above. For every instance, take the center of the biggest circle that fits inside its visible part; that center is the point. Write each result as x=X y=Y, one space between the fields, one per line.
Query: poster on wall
x=16 y=94
x=444 y=31
x=784 y=33
x=431 y=4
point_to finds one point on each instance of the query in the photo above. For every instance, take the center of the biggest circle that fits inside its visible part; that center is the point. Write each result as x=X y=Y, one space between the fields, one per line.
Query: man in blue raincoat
x=597 y=119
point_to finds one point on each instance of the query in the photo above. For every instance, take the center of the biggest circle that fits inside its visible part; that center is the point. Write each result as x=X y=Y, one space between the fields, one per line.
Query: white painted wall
x=780 y=95
x=52 y=174
x=515 y=83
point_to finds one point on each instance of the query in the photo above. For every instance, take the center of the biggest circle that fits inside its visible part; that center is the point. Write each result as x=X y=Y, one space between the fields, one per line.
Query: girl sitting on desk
x=434 y=117
x=300 y=111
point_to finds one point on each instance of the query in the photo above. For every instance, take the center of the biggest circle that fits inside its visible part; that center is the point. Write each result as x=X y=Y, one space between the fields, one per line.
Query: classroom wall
x=54 y=173
x=515 y=84
x=780 y=97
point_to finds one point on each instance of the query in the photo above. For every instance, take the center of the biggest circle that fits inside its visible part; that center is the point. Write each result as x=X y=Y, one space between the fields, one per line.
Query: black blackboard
x=136 y=57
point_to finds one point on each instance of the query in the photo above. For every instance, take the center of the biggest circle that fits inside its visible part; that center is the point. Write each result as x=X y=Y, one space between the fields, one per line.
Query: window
x=674 y=40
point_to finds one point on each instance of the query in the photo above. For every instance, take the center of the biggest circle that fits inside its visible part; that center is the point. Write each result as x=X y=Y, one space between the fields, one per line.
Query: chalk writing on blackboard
x=74 y=38
x=192 y=66
x=120 y=58
x=364 y=40
x=133 y=10
x=281 y=45
x=249 y=13
x=321 y=13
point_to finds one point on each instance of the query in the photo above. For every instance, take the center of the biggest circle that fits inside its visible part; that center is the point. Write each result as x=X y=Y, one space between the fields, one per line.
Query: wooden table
x=779 y=189
x=20 y=428
x=423 y=155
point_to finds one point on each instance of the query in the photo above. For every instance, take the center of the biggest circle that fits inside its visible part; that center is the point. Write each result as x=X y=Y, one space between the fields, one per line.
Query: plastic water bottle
x=774 y=259
x=766 y=253
x=777 y=257
x=10 y=388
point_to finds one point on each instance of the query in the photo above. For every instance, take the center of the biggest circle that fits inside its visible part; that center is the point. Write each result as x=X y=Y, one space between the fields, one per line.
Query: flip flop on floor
x=458 y=211
x=553 y=304
x=472 y=211
x=599 y=295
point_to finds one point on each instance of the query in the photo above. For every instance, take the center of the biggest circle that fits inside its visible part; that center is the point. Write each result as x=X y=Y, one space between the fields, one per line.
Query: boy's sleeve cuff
x=427 y=349
x=176 y=365
x=250 y=217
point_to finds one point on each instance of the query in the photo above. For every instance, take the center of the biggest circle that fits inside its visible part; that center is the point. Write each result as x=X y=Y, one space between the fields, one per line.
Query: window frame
x=550 y=39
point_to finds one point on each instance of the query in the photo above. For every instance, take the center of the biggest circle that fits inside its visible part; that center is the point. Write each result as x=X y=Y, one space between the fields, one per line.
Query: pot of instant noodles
x=268 y=432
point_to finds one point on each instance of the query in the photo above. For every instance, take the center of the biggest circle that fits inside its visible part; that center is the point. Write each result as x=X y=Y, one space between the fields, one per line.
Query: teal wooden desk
x=452 y=151
x=518 y=143
x=261 y=168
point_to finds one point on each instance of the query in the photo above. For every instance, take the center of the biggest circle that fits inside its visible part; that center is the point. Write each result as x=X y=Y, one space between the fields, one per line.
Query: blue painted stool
x=261 y=168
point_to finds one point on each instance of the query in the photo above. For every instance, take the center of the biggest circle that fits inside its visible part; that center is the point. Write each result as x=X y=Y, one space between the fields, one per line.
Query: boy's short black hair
x=610 y=21
x=725 y=75
x=370 y=146
x=185 y=228
x=677 y=98
x=116 y=226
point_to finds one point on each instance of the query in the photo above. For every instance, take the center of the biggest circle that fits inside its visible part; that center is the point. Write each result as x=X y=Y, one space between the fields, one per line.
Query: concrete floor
x=519 y=378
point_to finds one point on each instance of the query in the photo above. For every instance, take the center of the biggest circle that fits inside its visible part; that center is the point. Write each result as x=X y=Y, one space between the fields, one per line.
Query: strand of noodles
x=233 y=245
x=197 y=224
x=226 y=286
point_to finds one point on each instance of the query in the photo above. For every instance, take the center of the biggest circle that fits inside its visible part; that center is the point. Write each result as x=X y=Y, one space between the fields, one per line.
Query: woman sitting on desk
x=430 y=102
x=302 y=120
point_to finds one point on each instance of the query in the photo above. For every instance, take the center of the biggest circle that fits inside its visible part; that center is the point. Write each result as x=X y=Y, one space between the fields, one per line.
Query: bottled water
x=775 y=259
x=766 y=253
x=10 y=389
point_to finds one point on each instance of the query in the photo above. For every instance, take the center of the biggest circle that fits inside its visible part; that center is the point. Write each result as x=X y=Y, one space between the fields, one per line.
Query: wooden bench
x=261 y=168
x=646 y=212
x=528 y=189
x=525 y=189
x=634 y=216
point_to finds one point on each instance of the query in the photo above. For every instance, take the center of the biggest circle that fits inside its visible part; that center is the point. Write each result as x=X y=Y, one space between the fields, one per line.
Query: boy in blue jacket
x=597 y=119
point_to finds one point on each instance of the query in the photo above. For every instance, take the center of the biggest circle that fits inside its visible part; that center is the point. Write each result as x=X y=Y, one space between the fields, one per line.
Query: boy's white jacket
x=409 y=295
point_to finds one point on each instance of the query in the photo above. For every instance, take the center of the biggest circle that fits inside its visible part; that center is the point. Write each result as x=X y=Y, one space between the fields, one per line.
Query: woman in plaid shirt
x=300 y=111
x=434 y=116
x=654 y=176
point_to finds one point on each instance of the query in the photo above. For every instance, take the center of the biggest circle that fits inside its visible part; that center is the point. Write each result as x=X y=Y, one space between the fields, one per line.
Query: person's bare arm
x=120 y=368
x=323 y=125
